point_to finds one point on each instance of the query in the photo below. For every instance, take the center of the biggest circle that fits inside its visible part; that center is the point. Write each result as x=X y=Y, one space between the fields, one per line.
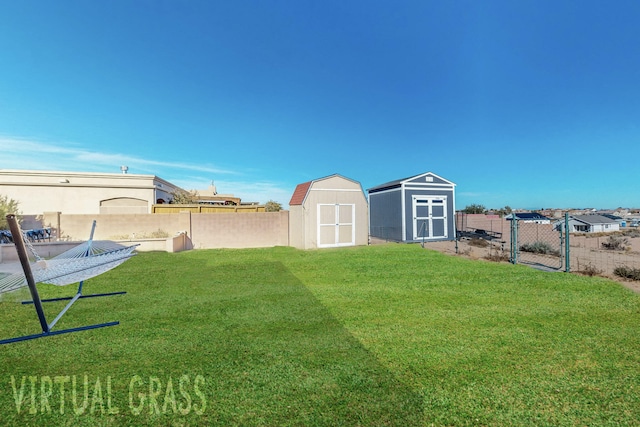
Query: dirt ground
x=583 y=254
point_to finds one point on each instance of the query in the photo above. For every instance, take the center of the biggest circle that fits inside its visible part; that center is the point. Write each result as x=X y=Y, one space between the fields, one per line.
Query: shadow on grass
x=268 y=351
x=282 y=358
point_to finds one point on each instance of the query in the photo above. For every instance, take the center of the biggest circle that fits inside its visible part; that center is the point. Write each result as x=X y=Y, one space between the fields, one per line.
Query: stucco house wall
x=83 y=192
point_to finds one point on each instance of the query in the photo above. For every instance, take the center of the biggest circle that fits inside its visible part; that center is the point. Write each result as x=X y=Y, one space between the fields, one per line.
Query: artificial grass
x=378 y=335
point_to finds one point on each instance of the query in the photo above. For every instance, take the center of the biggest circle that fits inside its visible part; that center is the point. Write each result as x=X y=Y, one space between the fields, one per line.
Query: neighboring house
x=592 y=224
x=328 y=212
x=415 y=209
x=90 y=193
x=621 y=221
x=210 y=196
x=529 y=217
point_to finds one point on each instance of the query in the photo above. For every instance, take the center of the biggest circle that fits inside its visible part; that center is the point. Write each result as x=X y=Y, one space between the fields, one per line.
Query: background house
x=621 y=221
x=38 y=192
x=592 y=224
x=328 y=212
x=418 y=208
x=529 y=217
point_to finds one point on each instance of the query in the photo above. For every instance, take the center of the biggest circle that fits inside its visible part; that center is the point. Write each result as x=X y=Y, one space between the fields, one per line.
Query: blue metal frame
x=35 y=297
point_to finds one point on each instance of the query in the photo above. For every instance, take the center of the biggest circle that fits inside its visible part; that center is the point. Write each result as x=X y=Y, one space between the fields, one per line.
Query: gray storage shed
x=328 y=212
x=415 y=209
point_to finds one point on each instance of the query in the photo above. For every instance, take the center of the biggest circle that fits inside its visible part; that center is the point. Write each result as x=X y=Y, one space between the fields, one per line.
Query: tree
x=7 y=206
x=183 y=197
x=272 y=206
x=504 y=211
x=474 y=209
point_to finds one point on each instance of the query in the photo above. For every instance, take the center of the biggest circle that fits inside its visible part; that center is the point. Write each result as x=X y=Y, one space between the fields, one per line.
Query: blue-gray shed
x=415 y=209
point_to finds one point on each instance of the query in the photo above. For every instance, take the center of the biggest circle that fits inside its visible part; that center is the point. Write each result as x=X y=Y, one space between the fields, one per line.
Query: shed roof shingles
x=299 y=193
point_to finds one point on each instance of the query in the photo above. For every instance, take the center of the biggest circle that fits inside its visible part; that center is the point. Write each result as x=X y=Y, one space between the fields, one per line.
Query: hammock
x=76 y=265
x=80 y=263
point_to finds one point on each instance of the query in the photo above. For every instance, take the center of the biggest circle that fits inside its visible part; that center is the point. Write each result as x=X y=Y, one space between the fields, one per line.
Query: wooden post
x=18 y=240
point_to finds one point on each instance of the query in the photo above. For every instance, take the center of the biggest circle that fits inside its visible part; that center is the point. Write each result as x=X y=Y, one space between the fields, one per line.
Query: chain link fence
x=609 y=254
x=540 y=244
x=547 y=246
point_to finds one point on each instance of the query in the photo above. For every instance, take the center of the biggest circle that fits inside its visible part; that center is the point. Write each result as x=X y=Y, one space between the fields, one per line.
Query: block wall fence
x=203 y=230
x=185 y=230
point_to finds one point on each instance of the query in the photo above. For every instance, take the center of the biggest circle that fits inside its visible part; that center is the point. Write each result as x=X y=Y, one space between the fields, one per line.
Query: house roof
x=528 y=215
x=593 y=219
x=301 y=191
x=398 y=182
x=613 y=217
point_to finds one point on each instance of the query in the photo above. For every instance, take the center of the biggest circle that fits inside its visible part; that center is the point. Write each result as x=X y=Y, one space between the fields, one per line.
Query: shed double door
x=336 y=225
x=429 y=217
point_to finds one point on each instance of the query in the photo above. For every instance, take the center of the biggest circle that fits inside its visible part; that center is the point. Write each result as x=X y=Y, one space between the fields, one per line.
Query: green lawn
x=378 y=335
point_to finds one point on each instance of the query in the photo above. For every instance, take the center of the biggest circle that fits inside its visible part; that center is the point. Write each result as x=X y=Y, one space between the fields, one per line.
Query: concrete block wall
x=200 y=230
x=233 y=230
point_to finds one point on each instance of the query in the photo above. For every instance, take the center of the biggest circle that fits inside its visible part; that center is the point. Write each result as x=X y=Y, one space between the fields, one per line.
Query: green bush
x=627 y=272
x=539 y=248
x=7 y=206
x=615 y=243
x=590 y=270
x=272 y=206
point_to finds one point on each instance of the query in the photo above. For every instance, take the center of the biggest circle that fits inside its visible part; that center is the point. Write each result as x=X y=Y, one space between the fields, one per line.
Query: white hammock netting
x=82 y=262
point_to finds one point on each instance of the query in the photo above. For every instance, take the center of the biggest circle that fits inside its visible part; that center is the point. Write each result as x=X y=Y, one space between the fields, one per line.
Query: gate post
x=514 y=239
x=567 y=262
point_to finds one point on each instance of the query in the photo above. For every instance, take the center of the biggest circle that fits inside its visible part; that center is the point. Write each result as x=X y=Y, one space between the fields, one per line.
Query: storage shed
x=328 y=212
x=415 y=209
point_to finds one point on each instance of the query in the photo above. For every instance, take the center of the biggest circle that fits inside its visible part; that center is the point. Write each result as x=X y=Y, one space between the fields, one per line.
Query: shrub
x=272 y=206
x=479 y=243
x=539 y=248
x=497 y=256
x=159 y=234
x=615 y=243
x=632 y=233
x=7 y=206
x=183 y=197
x=627 y=272
x=474 y=209
x=590 y=270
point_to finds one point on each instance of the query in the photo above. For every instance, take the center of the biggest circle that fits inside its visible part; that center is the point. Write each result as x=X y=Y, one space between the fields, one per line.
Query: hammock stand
x=88 y=264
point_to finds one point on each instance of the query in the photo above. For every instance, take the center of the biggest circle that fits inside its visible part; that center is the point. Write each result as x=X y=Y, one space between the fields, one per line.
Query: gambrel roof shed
x=328 y=212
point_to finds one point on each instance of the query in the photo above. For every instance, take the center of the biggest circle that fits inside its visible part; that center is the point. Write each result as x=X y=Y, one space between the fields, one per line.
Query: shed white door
x=430 y=217
x=336 y=225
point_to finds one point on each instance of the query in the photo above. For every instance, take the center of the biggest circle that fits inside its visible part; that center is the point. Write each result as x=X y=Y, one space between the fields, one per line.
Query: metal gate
x=541 y=244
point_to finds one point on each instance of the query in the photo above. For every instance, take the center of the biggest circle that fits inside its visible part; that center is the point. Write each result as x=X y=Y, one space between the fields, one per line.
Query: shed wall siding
x=335 y=183
x=386 y=215
x=423 y=179
x=350 y=193
x=296 y=227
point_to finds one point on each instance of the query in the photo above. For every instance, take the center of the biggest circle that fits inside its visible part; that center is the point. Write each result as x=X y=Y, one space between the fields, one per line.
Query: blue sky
x=522 y=103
